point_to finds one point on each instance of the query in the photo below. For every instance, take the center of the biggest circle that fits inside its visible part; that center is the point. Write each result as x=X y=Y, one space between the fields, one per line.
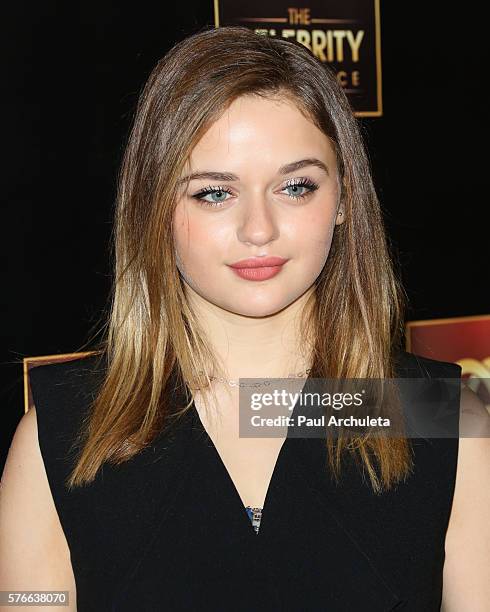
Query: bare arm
x=34 y=554
x=466 y=579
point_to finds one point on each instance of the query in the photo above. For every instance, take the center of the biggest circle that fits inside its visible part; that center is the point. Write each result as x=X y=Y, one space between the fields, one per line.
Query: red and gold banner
x=461 y=340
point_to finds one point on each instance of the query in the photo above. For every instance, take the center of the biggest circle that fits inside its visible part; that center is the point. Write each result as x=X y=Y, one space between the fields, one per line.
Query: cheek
x=323 y=241
x=312 y=236
x=197 y=244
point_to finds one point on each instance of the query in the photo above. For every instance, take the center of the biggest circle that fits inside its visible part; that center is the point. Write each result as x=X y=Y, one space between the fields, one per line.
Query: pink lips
x=258 y=268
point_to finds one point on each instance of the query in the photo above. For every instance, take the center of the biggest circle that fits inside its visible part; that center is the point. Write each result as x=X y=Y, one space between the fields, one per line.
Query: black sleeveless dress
x=168 y=530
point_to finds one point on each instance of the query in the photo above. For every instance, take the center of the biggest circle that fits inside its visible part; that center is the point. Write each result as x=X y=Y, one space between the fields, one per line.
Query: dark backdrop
x=71 y=78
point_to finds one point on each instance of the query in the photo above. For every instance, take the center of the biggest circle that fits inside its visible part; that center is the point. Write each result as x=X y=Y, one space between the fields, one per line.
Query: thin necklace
x=235 y=383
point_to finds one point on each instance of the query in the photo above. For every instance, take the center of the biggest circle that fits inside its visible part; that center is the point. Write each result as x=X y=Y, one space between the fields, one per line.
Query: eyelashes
x=301 y=183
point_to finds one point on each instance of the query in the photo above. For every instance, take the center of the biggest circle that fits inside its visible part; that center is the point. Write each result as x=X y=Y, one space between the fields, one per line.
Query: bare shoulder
x=474 y=416
x=467 y=563
x=34 y=554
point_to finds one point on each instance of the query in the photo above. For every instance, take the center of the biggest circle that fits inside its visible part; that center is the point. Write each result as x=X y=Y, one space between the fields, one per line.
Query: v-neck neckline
x=199 y=428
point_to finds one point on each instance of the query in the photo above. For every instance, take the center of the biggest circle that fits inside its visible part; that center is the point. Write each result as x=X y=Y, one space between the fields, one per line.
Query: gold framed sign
x=345 y=34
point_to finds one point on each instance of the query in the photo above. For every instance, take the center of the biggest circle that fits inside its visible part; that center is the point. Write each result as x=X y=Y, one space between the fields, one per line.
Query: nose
x=257 y=223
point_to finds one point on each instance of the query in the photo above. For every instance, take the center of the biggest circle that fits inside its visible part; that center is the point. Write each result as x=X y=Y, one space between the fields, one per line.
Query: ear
x=340 y=205
x=340 y=216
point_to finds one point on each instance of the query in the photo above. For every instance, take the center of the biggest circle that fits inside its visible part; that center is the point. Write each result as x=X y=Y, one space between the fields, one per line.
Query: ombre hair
x=356 y=324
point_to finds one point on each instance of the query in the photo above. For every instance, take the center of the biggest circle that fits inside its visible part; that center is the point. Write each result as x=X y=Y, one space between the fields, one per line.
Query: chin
x=257 y=313
x=248 y=307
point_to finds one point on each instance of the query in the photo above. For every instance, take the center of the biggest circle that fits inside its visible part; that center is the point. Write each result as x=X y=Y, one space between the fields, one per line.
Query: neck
x=254 y=347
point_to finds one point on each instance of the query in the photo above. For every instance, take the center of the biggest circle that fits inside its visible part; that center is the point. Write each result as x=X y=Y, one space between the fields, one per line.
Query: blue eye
x=303 y=183
x=299 y=185
x=295 y=193
x=212 y=191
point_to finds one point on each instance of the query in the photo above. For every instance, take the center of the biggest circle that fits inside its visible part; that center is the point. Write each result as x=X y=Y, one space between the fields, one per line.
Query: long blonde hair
x=357 y=322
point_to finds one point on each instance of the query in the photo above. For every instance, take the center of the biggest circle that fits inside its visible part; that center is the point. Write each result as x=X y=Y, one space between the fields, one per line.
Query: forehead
x=260 y=131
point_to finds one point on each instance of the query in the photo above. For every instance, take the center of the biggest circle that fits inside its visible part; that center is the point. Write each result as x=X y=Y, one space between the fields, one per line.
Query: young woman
x=249 y=243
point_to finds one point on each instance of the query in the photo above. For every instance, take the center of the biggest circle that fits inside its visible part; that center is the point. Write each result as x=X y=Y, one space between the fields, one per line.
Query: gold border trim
x=216 y=13
x=379 y=88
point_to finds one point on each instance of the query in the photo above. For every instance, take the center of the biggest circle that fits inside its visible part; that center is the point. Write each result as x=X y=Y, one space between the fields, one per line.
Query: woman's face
x=250 y=204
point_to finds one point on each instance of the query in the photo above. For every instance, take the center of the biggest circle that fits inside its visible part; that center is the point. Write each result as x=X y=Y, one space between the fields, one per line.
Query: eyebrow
x=228 y=176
